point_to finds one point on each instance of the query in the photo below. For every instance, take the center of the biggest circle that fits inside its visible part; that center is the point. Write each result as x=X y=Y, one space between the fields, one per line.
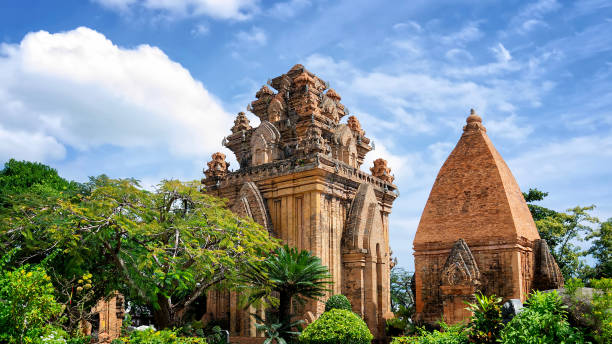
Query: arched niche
x=264 y=144
x=250 y=203
x=346 y=147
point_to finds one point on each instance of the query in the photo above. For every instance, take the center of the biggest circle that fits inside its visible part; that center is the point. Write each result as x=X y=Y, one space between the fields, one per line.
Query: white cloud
x=468 y=33
x=502 y=54
x=257 y=37
x=219 y=9
x=408 y=25
x=200 y=29
x=78 y=89
x=33 y=146
x=288 y=9
x=531 y=16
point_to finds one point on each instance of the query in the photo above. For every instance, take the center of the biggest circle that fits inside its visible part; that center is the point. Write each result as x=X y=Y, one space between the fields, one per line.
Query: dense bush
x=338 y=302
x=542 y=321
x=337 y=326
x=29 y=312
x=150 y=336
x=449 y=335
x=602 y=309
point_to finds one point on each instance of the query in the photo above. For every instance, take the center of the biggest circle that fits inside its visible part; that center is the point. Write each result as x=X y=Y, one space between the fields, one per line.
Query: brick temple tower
x=300 y=177
x=477 y=234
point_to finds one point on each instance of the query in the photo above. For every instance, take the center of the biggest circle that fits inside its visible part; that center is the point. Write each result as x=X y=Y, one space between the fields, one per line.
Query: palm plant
x=290 y=274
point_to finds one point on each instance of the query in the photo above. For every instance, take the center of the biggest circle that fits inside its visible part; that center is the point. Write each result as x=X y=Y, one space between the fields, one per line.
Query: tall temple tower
x=300 y=178
x=477 y=234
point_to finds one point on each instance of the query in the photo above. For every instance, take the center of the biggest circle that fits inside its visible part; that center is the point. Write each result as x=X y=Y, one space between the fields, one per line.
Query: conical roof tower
x=475 y=196
x=477 y=207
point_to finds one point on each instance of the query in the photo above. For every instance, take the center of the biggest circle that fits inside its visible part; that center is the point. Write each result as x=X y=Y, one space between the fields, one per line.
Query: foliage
x=338 y=302
x=602 y=309
x=279 y=332
x=402 y=302
x=486 y=320
x=401 y=293
x=561 y=231
x=294 y=275
x=29 y=312
x=543 y=320
x=150 y=336
x=337 y=326
x=455 y=334
x=401 y=323
x=601 y=250
x=19 y=176
x=163 y=249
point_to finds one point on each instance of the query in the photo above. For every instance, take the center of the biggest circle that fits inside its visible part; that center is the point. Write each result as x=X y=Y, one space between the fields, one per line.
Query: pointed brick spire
x=475 y=196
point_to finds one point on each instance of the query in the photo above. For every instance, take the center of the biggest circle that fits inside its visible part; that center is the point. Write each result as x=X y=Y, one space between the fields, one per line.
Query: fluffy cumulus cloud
x=219 y=9
x=78 y=92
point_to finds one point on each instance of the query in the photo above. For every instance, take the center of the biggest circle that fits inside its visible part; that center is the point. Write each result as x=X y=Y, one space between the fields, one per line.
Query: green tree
x=562 y=231
x=293 y=275
x=401 y=292
x=601 y=250
x=162 y=249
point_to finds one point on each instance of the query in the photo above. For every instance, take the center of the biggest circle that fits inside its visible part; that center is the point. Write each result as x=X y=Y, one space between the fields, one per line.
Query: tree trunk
x=162 y=316
x=284 y=308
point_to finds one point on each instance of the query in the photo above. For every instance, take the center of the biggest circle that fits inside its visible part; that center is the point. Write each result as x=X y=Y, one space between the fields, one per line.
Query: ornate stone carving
x=460 y=267
x=276 y=108
x=380 y=170
x=217 y=167
x=333 y=95
x=547 y=272
x=303 y=80
x=264 y=144
x=264 y=91
x=355 y=126
x=241 y=123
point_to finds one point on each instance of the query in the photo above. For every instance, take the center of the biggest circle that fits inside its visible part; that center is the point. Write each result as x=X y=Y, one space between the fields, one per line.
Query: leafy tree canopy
x=562 y=231
x=162 y=249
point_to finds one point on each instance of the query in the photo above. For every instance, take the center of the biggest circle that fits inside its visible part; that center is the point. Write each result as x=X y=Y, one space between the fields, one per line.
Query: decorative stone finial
x=381 y=171
x=354 y=124
x=217 y=167
x=333 y=95
x=297 y=67
x=263 y=91
x=241 y=123
x=303 y=80
x=474 y=122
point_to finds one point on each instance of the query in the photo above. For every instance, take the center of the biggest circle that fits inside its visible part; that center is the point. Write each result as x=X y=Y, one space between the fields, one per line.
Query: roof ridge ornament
x=474 y=122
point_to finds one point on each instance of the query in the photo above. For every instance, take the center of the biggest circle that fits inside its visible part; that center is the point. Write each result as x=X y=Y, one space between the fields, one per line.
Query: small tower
x=476 y=234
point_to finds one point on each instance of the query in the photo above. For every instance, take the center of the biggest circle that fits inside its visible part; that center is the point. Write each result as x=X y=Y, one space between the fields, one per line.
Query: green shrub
x=486 y=320
x=150 y=336
x=29 y=312
x=542 y=321
x=338 y=302
x=337 y=326
x=455 y=334
x=602 y=309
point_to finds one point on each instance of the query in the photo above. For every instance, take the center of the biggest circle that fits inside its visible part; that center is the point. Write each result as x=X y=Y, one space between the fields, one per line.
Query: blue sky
x=148 y=88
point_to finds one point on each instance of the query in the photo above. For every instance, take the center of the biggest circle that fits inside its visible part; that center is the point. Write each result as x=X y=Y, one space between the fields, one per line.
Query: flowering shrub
x=337 y=326
x=29 y=312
